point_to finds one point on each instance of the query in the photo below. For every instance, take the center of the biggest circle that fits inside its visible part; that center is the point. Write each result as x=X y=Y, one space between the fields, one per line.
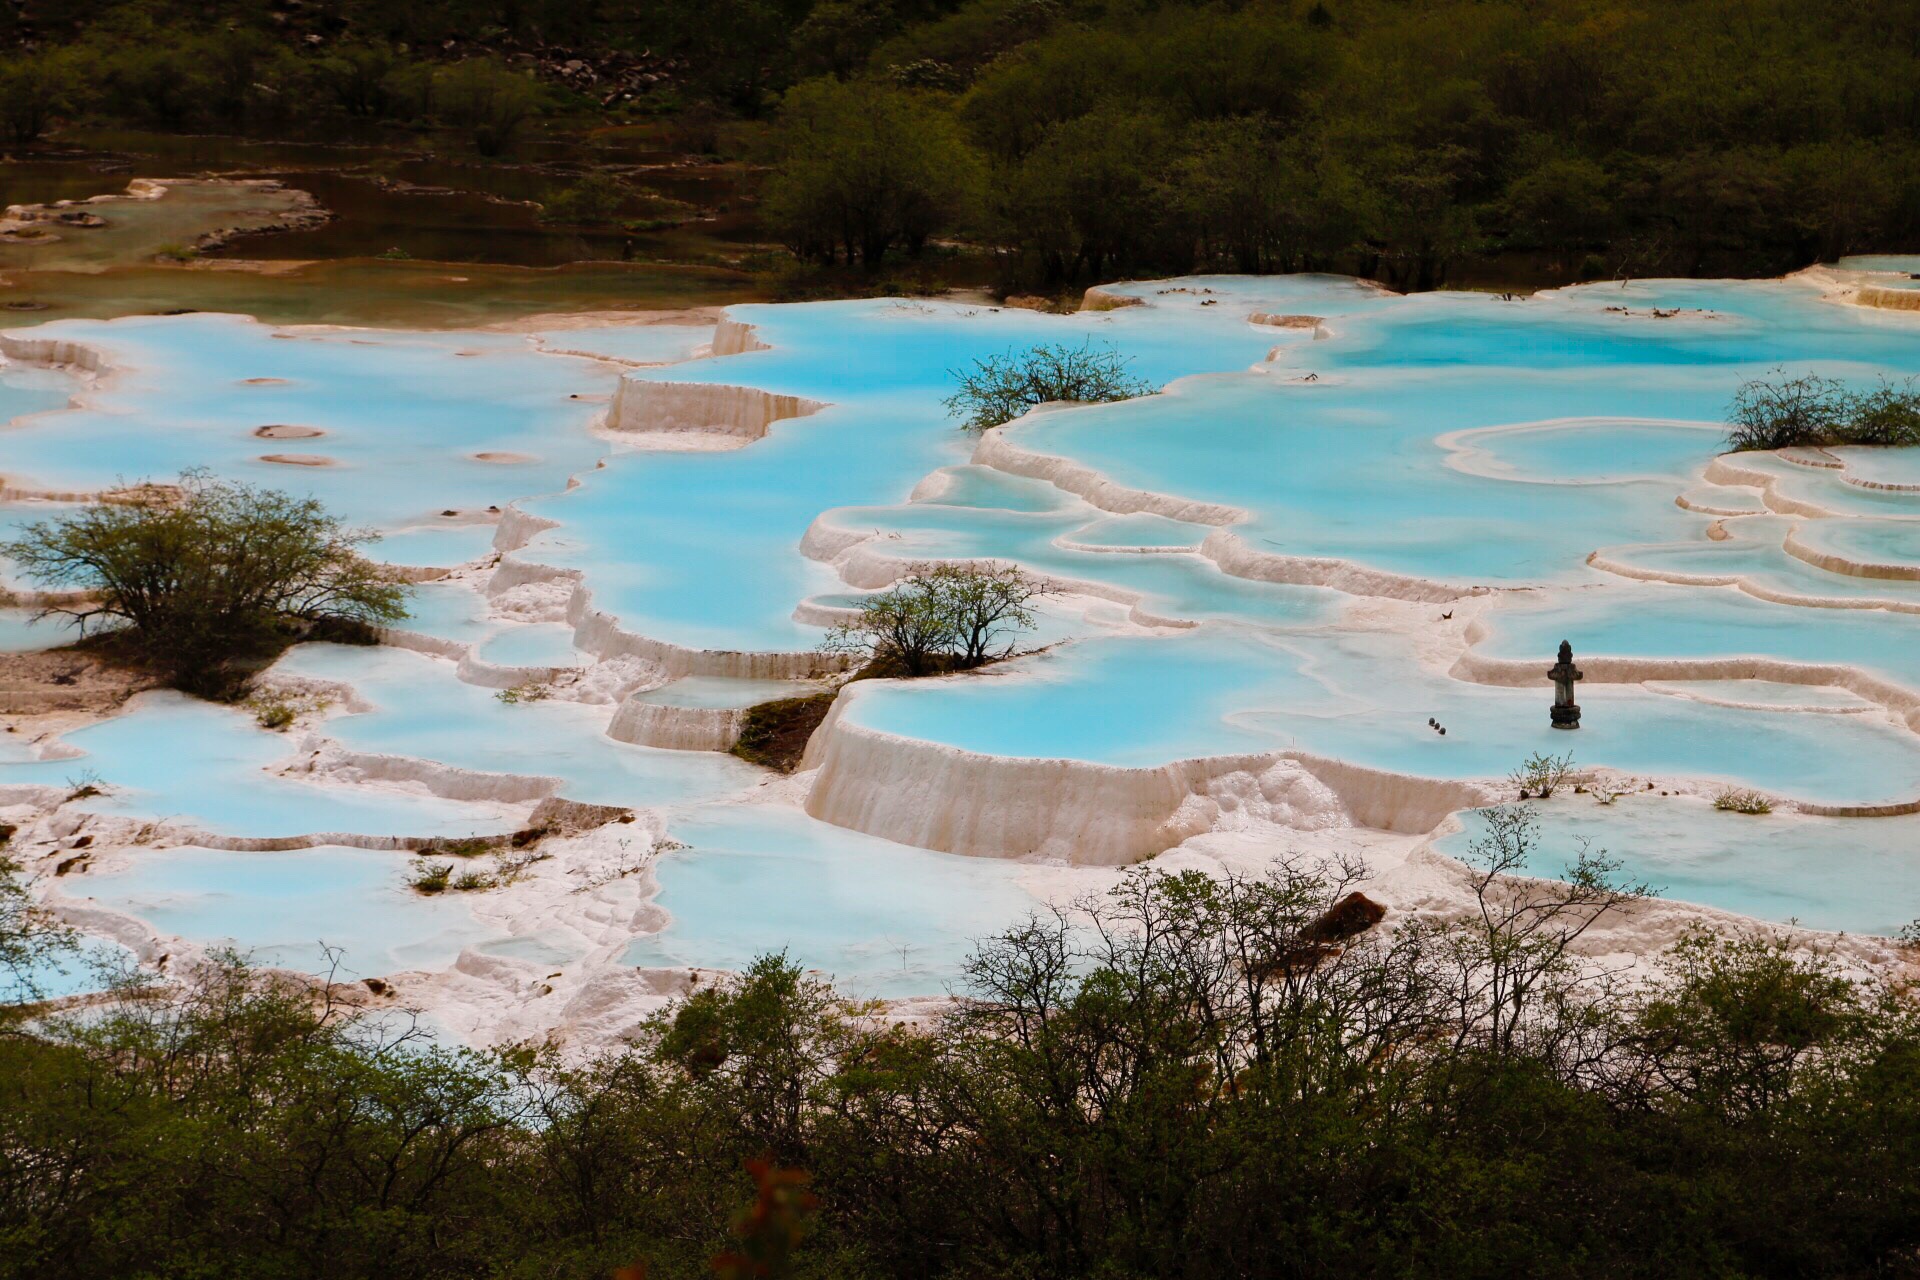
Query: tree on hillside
x=1094 y=193
x=35 y=88
x=208 y=573
x=488 y=99
x=864 y=167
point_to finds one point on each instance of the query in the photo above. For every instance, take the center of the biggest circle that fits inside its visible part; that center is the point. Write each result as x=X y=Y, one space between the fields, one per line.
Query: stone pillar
x=1566 y=712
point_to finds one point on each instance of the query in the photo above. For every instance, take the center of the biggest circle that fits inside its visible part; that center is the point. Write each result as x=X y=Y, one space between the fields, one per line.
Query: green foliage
x=1000 y=388
x=1190 y=1076
x=774 y=734
x=34 y=90
x=595 y=198
x=428 y=877
x=864 y=167
x=1782 y=411
x=1541 y=775
x=488 y=99
x=1737 y=800
x=942 y=617
x=531 y=691
x=197 y=576
x=1078 y=139
x=33 y=941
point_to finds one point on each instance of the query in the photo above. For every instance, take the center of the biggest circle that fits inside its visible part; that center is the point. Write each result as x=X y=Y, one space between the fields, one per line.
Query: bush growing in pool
x=1779 y=412
x=948 y=617
x=1000 y=388
x=199 y=578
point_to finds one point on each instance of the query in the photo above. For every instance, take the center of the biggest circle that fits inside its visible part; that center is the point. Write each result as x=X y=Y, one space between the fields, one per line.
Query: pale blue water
x=1857 y=875
x=403 y=414
x=735 y=518
x=422 y=710
x=540 y=644
x=1360 y=698
x=285 y=908
x=172 y=757
x=883 y=919
x=1456 y=438
x=1684 y=622
x=24 y=630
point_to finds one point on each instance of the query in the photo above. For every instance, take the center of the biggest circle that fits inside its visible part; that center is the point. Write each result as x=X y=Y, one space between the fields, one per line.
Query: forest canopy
x=1088 y=138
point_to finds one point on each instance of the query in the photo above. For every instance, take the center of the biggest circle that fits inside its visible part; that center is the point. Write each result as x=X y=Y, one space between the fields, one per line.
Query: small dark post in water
x=1566 y=712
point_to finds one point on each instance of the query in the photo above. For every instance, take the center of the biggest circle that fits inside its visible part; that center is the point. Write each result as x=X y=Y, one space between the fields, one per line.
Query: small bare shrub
x=1540 y=775
x=430 y=877
x=1738 y=800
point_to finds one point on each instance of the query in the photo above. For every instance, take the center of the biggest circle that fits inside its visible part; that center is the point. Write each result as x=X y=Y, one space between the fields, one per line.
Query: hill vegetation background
x=1075 y=140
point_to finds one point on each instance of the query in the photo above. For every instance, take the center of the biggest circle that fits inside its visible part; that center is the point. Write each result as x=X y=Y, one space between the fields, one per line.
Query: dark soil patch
x=776 y=733
x=65 y=680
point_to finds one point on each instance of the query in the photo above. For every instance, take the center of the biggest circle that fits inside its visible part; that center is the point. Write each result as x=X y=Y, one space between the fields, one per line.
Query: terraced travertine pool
x=1323 y=538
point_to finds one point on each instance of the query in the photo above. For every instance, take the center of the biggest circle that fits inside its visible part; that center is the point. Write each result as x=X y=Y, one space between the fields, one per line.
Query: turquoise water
x=403 y=415
x=635 y=343
x=721 y=529
x=171 y=757
x=883 y=919
x=1360 y=697
x=540 y=644
x=422 y=710
x=286 y=908
x=1859 y=875
x=1681 y=622
x=1454 y=438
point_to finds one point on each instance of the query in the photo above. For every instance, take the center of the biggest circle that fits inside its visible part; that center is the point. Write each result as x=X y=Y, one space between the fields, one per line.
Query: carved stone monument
x=1566 y=712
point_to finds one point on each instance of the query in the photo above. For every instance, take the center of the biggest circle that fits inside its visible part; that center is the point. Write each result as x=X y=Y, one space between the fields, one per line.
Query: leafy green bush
x=208 y=574
x=595 y=198
x=429 y=877
x=1000 y=388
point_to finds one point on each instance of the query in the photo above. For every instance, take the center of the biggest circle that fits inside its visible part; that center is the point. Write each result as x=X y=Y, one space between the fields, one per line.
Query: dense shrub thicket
x=1189 y=1078
x=1786 y=410
x=1089 y=138
x=198 y=578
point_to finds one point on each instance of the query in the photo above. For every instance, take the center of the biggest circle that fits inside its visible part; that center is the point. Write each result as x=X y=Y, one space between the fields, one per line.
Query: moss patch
x=775 y=733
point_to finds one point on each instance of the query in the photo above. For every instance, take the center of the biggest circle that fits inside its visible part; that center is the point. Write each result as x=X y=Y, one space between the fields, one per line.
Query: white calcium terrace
x=1348 y=520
